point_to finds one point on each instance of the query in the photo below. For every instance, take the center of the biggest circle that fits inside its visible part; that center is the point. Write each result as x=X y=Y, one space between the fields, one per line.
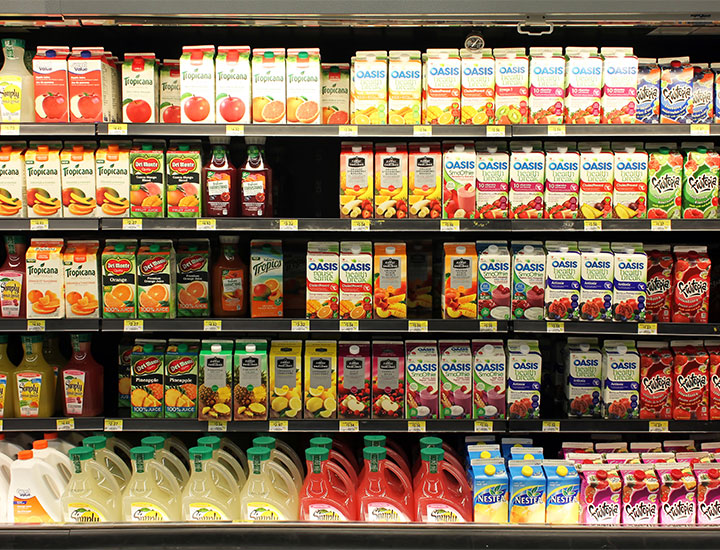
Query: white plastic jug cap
x=459 y=147
x=391 y=149
x=492 y=149
x=354 y=349
x=357 y=149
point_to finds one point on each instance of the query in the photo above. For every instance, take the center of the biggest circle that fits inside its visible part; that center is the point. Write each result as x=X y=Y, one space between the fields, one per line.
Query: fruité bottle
x=384 y=494
x=7 y=387
x=220 y=184
x=440 y=490
x=229 y=280
x=327 y=493
x=35 y=381
x=81 y=380
x=256 y=185
x=12 y=278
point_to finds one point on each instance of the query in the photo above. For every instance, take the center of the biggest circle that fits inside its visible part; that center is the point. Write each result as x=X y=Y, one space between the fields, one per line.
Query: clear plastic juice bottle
x=167 y=459
x=81 y=380
x=92 y=493
x=384 y=494
x=327 y=494
x=17 y=85
x=335 y=457
x=256 y=185
x=35 y=381
x=265 y=498
x=8 y=388
x=109 y=459
x=175 y=446
x=281 y=458
x=153 y=493
x=211 y=493
x=12 y=277
x=229 y=280
x=440 y=490
x=220 y=183
x=225 y=459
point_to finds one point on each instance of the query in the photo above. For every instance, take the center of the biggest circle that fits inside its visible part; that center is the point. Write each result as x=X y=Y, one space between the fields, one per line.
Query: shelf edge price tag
x=288 y=225
x=65 y=424
x=1 y=425
x=556 y=130
x=278 y=426
x=132 y=224
x=206 y=224
x=488 y=326
x=40 y=224
x=360 y=225
x=349 y=326
x=422 y=131
x=133 y=325
x=483 y=426
x=449 y=225
x=495 y=131
x=416 y=426
x=660 y=225
x=647 y=328
x=234 y=130
x=347 y=130
x=699 y=129
x=551 y=426
x=658 y=426
x=212 y=325
x=113 y=425
x=217 y=425
x=592 y=225
x=36 y=325
x=300 y=325
x=349 y=426
x=417 y=326
x=9 y=130
x=117 y=129
x=555 y=326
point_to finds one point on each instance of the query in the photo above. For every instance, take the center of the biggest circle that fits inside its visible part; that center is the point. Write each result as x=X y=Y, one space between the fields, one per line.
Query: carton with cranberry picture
x=596 y=281
x=494 y=281
x=629 y=282
x=528 y=280
x=621 y=379
x=690 y=369
x=524 y=375
x=659 y=284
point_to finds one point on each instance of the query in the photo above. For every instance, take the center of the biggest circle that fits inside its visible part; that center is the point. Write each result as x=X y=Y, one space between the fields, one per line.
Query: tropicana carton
x=424 y=180
x=77 y=163
x=477 y=92
x=547 y=86
x=50 y=74
x=13 y=192
x=441 y=86
x=42 y=179
x=82 y=279
x=197 y=84
x=233 y=85
x=45 y=281
x=140 y=88
x=112 y=180
x=596 y=180
x=492 y=177
x=512 y=73
x=169 y=109
x=619 y=101
x=335 y=93
x=303 y=85
x=404 y=87
x=583 y=85
x=368 y=88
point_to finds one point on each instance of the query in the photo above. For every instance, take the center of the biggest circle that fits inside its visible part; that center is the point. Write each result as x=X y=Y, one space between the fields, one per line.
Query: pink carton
x=423 y=379
x=657 y=458
x=708 y=493
x=583 y=85
x=679 y=446
x=611 y=447
x=695 y=457
x=388 y=379
x=622 y=458
x=354 y=380
x=645 y=446
x=641 y=491
x=678 y=499
x=511 y=85
x=562 y=181
x=600 y=494
x=584 y=457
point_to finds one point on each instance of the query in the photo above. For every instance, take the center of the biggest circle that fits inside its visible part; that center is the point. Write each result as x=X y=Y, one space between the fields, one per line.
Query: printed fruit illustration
x=335 y=117
x=9 y=206
x=292 y=106
x=171 y=114
x=307 y=112
x=232 y=109
x=273 y=112
x=87 y=106
x=44 y=304
x=258 y=105
x=196 y=108
x=52 y=106
x=138 y=110
x=85 y=304
x=656 y=214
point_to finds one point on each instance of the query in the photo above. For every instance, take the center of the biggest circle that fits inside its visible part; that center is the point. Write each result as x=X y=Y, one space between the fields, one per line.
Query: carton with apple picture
x=169 y=108
x=232 y=84
x=50 y=74
x=140 y=87
x=90 y=86
x=197 y=84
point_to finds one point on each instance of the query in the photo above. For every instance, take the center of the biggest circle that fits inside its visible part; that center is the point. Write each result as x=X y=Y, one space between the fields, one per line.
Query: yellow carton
x=80 y=261
x=285 y=378
x=42 y=172
x=404 y=87
x=45 y=281
x=368 y=88
x=321 y=379
x=441 y=92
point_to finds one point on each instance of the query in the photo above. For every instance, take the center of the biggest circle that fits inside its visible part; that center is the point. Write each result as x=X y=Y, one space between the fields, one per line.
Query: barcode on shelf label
x=551 y=426
x=347 y=130
x=660 y=225
x=658 y=426
x=41 y=224
x=592 y=225
x=484 y=426
x=206 y=224
x=449 y=225
x=349 y=326
x=300 y=325
x=234 y=130
x=488 y=326
x=699 y=129
x=495 y=131
x=647 y=328
x=113 y=425
x=9 y=129
x=349 y=426
x=422 y=131
x=360 y=225
x=117 y=129
x=212 y=325
x=417 y=326
x=555 y=326
x=217 y=425
x=556 y=130
x=133 y=325
x=133 y=224
x=65 y=424
x=36 y=325
x=278 y=426
x=288 y=225
x=416 y=426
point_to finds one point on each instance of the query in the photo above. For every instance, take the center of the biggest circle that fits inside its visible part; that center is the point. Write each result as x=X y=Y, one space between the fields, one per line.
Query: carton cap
x=490 y=469
x=354 y=349
x=390 y=250
x=357 y=149
x=629 y=149
x=251 y=348
x=527 y=471
x=459 y=147
x=561 y=470
x=527 y=149
x=216 y=348
x=423 y=149
x=596 y=150
x=391 y=149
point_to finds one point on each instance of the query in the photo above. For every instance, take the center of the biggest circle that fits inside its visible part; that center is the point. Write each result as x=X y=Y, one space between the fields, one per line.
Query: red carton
x=690 y=369
x=692 y=284
x=713 y=349
x=659 y=285
x=656 y=380
x=388 y=382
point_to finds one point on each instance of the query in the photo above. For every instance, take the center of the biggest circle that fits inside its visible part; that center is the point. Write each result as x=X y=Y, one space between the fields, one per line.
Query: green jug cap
x=375 y=440
x=120 y=247
x=324 y=442
x=164 y=435
x=147 y=348
x=154 y=441
x=664 y=150
x=377 y=453
x=428 y=453
x=154 y=247
x=314 y=453
x=143 y=452
x=203 y=453
x=258 y=453
x=430 y=441
x=147 y=147
x=265 y=441
x=701 y=149
x=211 y=441
x=81 y=453
x=184 y=147
x=95 y=442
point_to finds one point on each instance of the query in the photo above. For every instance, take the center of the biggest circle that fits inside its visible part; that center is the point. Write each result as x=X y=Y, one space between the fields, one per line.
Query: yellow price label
x=117 y=129
x=551 y=426
x=660 y=225
x=36 y=325
x=555 y=326
x=113 y=425
x=347 y=130
x=278 y=426
x=488 y=326
x=133 y=325
x=556 y=130
x=416 y=426
x=449 y=225
x=40 y=224
x=212 y=325
x=349 y=326
x=360 y=225
x=300 y=325
x=234 y=130
x=592 y=225
x=417 y=326
x=647 y=328
x=495 y=131
x=658 y=426
x=65 y=424
x=422 y=131
x=1 y=425
x=217 y=425
x=349 y=426
x=699 y=129
x=288 y=225
x=483 y=426
x=132 y=224
x=206 y=224
x=9 y=130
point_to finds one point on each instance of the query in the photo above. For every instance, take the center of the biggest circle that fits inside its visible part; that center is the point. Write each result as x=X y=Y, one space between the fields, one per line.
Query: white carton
x=368 y=88
x=524 y=375
x=630 y=187
x=477 y=87
x=621 y=379
x=528 y=280
x=404 y=87
x=197 y=84
x=620 y=80
x=169 y=109
x=233 y=85
x=562 y=281
x=492 y=176
x=140 y=88
x=422 y=379
x=489 y=378
x=511 y=85
x=527 y=180
x=629 y=282
x=494 y=281
x=269 y=86
x=456 y=379
x=596 y=180
x=12 y=180
x=323 y=267
x=303 y=86
x=356 y=280
x=562 y=181
x=77 y=163
x=441 y=81
x=583 y=373
x=596 y=281
x=547 y=86
x=583 y=85
x=458 y=179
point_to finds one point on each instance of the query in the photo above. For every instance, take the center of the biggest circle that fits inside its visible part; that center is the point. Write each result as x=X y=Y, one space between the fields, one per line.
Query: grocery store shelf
x=56 y=130
x=613 y=130
x=49 y=224
x=50 y=424
x=610 y=328
x=603 y=425
x=49 y=325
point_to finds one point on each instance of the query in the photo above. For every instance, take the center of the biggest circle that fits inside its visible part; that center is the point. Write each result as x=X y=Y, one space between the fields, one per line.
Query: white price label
x=234 y=130
x=360 y=225
x=349 y=326
x=117 y=129
x=484 y=426
x=205 y=224
x=347 y=130
x=217 y=425
x=551 y=426
x=555 y=326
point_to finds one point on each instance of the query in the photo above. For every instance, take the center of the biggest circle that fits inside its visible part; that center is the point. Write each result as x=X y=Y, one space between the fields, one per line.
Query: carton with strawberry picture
x=528 y=280
x=641 y=492
x=701 y=174
x=197 y=84
x=656 y=380
x=492 y=176
x=356 y=180
x=512 y=79
x=422 y=374
x=459 y=293
x=458 y=180
x=562 y=181
x=232 y=85
x=629 y=282
x=50 y=75
x=621 y=379
x=524 y=376
x=600 y=494
x=425 y=180
x=596 y=180
x=713 y=349
x=648 y=91
x=562 y=281
x=354 y=377
x=665 y=178
x=494 y=276
x=547 y=86
x=527 y=180
x=630 y=186
x=583 y=85
x=708 y=493
x=659 y=284
x=678 y=505
x=691 y=278
x=140 y=81
x=356 y=280
x=169 y=108
x=620 y=80
x=477 y=87
x=597 y=265
x=322 y=280
x=388 y=379
x=676 y=100
x=391 y=175
x=691 y=392
x=489 y=378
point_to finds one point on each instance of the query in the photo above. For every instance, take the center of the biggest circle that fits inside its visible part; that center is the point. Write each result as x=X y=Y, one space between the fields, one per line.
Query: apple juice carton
x=477 y=87
x=442 y=83
x=420 y=280
x=45 y=281
x=368 y=88
x=459 y=292
x=702 y=95
x=456 y=379
x=700 y=183
x=50 y=75
x=197 y=84
x=250 y=379
x=713 y=350
x=596 y=180
x=708 y=493
x=169 y=107
x=181 y=377
x=583 y=85
x=596 y=281
x=490 y=491
x=621 y=379
x=562 y=181
x=323 y=264
x=147 y=379
x=492 y=177
x=528 y=491
x=156 y=280
x=583 y=374
x=562 y=281
x=422 y=379
x=459 y=187
x=303 y=86
x=629 y=282
x=13 y=192
x=183 y=192
x=390 y=281
x=356 y=280
x=656 y=380
x=119 y=279
x=82 y=280
x=77 y=163
x=648 y=91
x=528 y=280
x=547 y=86
x=147 y=179
x=335 y=93
x=676 y=97
x=215 y=377
x=388 y=379
x=354 y=377
x=659 y=284
x=678 y=503
x=524 y=374
x=664 y=188
x=512 y=78
x=631 y=176
x=193 y=278
x=691 y=280
x=690 y=370
x=90 y=88
x=356 y=180
x=112 y=180
x=620 y=82
x=140 y=87
x=285 y=391
x=493 y=281
x=489 y=378
x=641 y=494
x=233 y=85
x=266 y=278
x=527 y=180
x=320 y=379
x=42 y=180
x=404 y=86
x=391 y=186
x=562 y=505
x=600 y=494
x=425 y=169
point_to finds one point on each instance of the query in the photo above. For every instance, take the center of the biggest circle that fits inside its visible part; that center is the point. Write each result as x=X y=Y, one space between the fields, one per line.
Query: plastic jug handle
x=162 y=472
x=227 y=477
x=342 y=474
x=224 y=456
x=400 y=474
x=105 y=474
x=454 y=474
x=52 y=477
x=289 y=490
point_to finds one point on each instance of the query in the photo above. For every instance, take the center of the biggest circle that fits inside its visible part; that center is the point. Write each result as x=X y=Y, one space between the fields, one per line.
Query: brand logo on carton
x=405 y=74
x=357 y=266
x=703 y=184
x=525 y=165
x=584 y=362
x=657 y=384
x=658 y=285
x=632 y=165
x=631 y=265
x=623 y=365
x=181 y=365
x=641 y=511
x=560 y=264
x=492 y=165
x=528 y=497
x=597 y=166
x=356 y=162
x=146 y=165
x=491 y=495
x=564 y=495
x=422 y=367
x=379 y=73
x=479 y=71
x=692 y=382
x=586 y=71
x=460 y=165
x=604 y=511
x=647 y=94
x=192 y=263
x=528 y=267
x=631 y=70
x=562 y=165
x=711 y=511
x=323 y=266
x=679 y=509
x=494 y=266
x=456 y=367
x=540 y=70
x=693 y=288
x=665 y=183
x=445 y=71
x=153 y=265
x=182 y=165
x=512 y=69
x=677 y=93
x=118 y=266
x=490 y=367
x=147 y=365
x=527 y=365
x=598 y=264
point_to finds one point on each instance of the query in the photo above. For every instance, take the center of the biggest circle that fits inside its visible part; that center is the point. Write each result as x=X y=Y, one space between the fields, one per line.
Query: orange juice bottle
x=119 y=279
x=80 y=261
x=460 y=288
x=156 y=280
x=45 y=288
x=390 y=280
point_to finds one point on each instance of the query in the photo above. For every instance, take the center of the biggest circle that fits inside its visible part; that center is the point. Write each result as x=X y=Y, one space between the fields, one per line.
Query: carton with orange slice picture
x=42 y=179
x=45 y=282
x=320 y=379
x=266 y=278
x=156 y=280
x=322 y=280
x=80 y=262
x=477 y=89
x=303 y=86
x=460 y=289
x=77 y=163
x=193 y=278
x=391 y=173
x=441 y=87
x=356 y=179
x=12 y=180
x=335 y=93
x=268 y=85
x=368 y=87
x=404 y=86
x=119 y=279
x=390 y=281
x=285 y=378
x=356 y=273
x=112 y=180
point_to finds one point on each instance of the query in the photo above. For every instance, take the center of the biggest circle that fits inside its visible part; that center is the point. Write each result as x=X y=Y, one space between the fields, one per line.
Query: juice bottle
x=91 y=494
x=263 y=499
x=57 y=459
x=12 y=278
x=229 y=280
x=82 y=380
x=7 y=387
x=451 y=457
x=35 y=381
x=223 y=458
x=327 y=493
x=394 y=454
x=106 y=457
x=16 y=84
x=152 y=494
x=219 y=178
x=255 y=185
x=289 y=461
x=337 y=459
x=34 y=492
x=211 y=493
x=384 y=494
x=440 y=496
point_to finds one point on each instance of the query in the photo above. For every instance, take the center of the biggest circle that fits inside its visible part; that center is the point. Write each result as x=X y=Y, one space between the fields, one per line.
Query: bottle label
x=11 y=93
x=232 y=283
x=204 y=511
x=262 y=511
x=253 y=193
x=217 y=184
x=29 y=386
x=81 y=512
x=317 y=512
x=74 y=383
x=3 y=394
x=440 y=513
x=27 y=508
x=384 y=512
x=145 y=512
x=10 y=294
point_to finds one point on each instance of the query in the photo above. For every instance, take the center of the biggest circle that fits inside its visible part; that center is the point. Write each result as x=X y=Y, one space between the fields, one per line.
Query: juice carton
x=119 y=279
x=422 y=379
x=390 y=280
x=659 y=284
x=645 y=446
x=678 y=502
x=657 y=458
x=459 y=187
x=459 y=293
x=285 y=392
x=90 y=86
x=391 y=174
x=526 y=453
x=583 y=374
x=702 y=95
x=708 y=493
x=527 y=180
x=147 y=179
x=547 y=86
x=322 y=279
x=45 y=282
x=676 y=97
x=442 y=83
x=523 y=385
x=631 y=176
x=42 y=179
x=368 y=88
x=493 y=280
x=584 y=457
x=641 y=494
x=50 y=75
x=596 y=180
x=576 y=448
x=596 y=281
x=710 y=446
x=303 y=86
x=425 y=179
x=320 y=379
x=507 y=443
x=354 y=377
x=562 y=281
x=622 y=458
x=147 y=394
x=713 y=350
x=140 y=88
x=563 y=493
x=404 y=86
x=294 y=278
x=483 y=451
x=692 y=457
x=181 y=378
x=456 y=379
x=233 y=85
x=620 y=83
x=716 y=100
x=250 y=379
x=112 y=180
x=512 y=78
x=700 y=183
x=197 y=84
x=388 y=379
x=648 y=92
x=193 y=278
x=678 y=445
x=621 y=380
x=77 y=163
x=492 y=178
x=13 y=192
x=156 y=280
x=528 y=280
x=169 y=108
x=600 y=494
x=266 y=278
x=335 y=93
x=629 y=282
x=528 y=491
x=356 y=282
x=477 y=87
x=562 y=181
x=420 y=280
x=489 y=378
x=215 y=378
x=124 y=372
x=664 y=182
x=656 y=380
x=583 y=85
x=690 y=370
x=356 y=179
x=691 y=280
x=183 y=192
x=490 y=491
x=82 y=279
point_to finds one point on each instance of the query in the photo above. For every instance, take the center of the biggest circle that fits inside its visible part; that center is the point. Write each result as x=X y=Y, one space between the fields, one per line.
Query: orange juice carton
x=691 y=284
x=391 y=175
x=459 y=187
x=422 y=374
x=215 y=380
x=420 y=280
x=13 y=192
x=562 y=281
x=601 y=494
x=547 y=86
x=119 y=279
x=702 y=86
x=356 y=280
x=156 y=279
x=356 y=179
x=562 y=180
x=147 y=396
x=404 y=86
x=596 y=180
x=388 y=379
x=425 y=179
x=490 y=490
x=442 y=83
x=678 y=502
x=528 y=280
x=390 y=281
x=268 y=85
x=78 y=177
x=233 y=85
x=197 y=84
x=45 y=281
x=523 y=385
x=183 y=192
x=43 y=180
x=323 y=274
x=631 y=176
x=690 y=369
x=676 y=90
x=112 y=180
x=597 y=266
x=641 y=494
x=700 y=182
x=477 y=87
x=648 y=91
x=147 y=179
x=181 y=373
x=621 y=380
x=266 y=278
x=286 y=370
x=583 y=375
x=193 y=278
x=527 y=180
x=82 y=279
x=354 y=377
x=90 y=86
x=169 y=108
x=629 y=282
x=583 y=85
x=528 y=491
x=563 y=493
x=303 y=86
x=140 y=87
x=50 y=74
x=620 y=82
x=320 y=379
x=335 y=93
x=456 y=379
x=492 y=176
x=489 y=378
x=459 y=296
x=665 y=167
x=512 y=80
x=368 y=87
x=493 y=280
x=250 y=378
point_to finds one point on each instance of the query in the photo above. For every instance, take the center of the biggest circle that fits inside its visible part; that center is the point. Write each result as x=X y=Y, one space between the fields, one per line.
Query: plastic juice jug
x=54 y=442
x=12 y=271
x=264 y=498
x=347 y=452
x=5 y=465
x=8 y=448
x=175 y=446
x=35 y=381
x=434 y=443
x=167 y=459
x=256 y=185
x=153 y=493
x=229 y=280
x=328 y=494
x=106 y=457
x=7 y=387
x=392 y=455
x=81 y=380
x=336 y=458
x=225 y=459
x=220 y=183
x=384 y=494
x=120 y=447
x=211 y=493
x=34 y=493
x=282 y=459
x=441 y=494
x=283 y=447
x=16 y=84
x=55 y=458
x=92 y=492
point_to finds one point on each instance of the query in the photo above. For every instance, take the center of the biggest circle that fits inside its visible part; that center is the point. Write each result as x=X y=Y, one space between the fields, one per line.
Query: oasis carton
x=597 y=267
x=391 y=186
x=492 y=177
x=183 y=192
x=354 y=377
x=690 y=369
x=528 y=491
x=368 y=88
x=119 y=279
x=420 y=280
x=169 y=108
x=489 y=378
x=266 y=278
x=320 y=379
x=528 y=280
x=147 y=179
x=356 y=180
x=45 y=281
x=659 y=284
x=112 y=178
x=547 y=86
x=322 y=280
x=656 y=380
x=631 y=176
x=524 y=374
x=648 y=92
x=233 y=85
x=441 y=86
x=50 y=77
x=629 y=282
x=456 y=379
x=42 y=179
x=494 y=277
x=676 y=97
x=181 y=378
x=477 y=87
x=13 y=192
x=193 y=278
x=77 y=163
x=583 y=374
x=621 y=379
x=335 y=93
x=303 y=86
x=641 y=494
x=678 y=501
x=527 y=180
x=422 y=379
x=424 y=179
x=390 y=281
x=250 y=380
x=664 y=189
x=140 y=88
x=596 y=180
x=459 y=186
x=215 y=377
x=388 y=379
x=91 y=89
x=700 y=183
x=583 y=85
x=285 y=391
x=702 y=95
x=691 y=284
x=459 y=291
x=156 y=280
x=356 y=280
x=490 y=491
x=563 y=493
x=197 y=84
x=147 y=394
x=404 y=86
x=601 y=487
x=708 y=493
x=512 y=78
x=82 y=279
x=562 y=181
x=620 y=82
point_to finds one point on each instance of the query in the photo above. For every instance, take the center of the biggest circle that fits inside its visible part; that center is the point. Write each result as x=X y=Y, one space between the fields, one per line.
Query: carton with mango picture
x=460 y=288
x=12 y=180
x=42 y=180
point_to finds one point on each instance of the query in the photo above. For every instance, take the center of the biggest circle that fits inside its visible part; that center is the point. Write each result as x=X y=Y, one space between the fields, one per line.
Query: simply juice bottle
x=266 y=278
x=45 y=281
x=596 y=180
x=477 y=87
x=269 y=493
x=391 y=175
x=335 y=93
x=156 y=280
x=492 y=177
x=356 y=180
x=631 y=176
x=233 y=85
x=562 y=181
x=13 y=281
x=229 y=280
x=620 y=82
x=112 y=180
x=211 y=493
x=119 y=279
x=322 y=280
x=303 y=85
x=183 y=192
x=404 y=86
x=42 y=179
x=82 y=380
x=50 y=74
x=328 y=491
x=268 y=85
x=648 y=91
x=424 y=179
x=34 y=380
x=547 y=86
x=527 y=180
x=385 y=495
x=193 y=278
x=442 y=84
x=16 y=84
x=441 y=491
x=169 y=102
x=13 y=193
x=91 y=494
x=459 y=184
x=152 y=493
x=368 y=87
x=583 y=85
x=356 y=280
x=700 y=183
x=147 y=179
x=512 y=79
x=665 y=182
x=140 y=87
x=197 y=84
x=82 y=279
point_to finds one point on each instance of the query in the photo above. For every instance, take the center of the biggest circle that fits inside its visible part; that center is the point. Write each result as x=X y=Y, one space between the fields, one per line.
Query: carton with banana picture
x=391 y=174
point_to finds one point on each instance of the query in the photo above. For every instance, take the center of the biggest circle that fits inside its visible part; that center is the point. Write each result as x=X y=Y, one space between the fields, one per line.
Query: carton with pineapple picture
x=215 y=380
x=147 y=379
x=181 y=363
x=250 y=376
